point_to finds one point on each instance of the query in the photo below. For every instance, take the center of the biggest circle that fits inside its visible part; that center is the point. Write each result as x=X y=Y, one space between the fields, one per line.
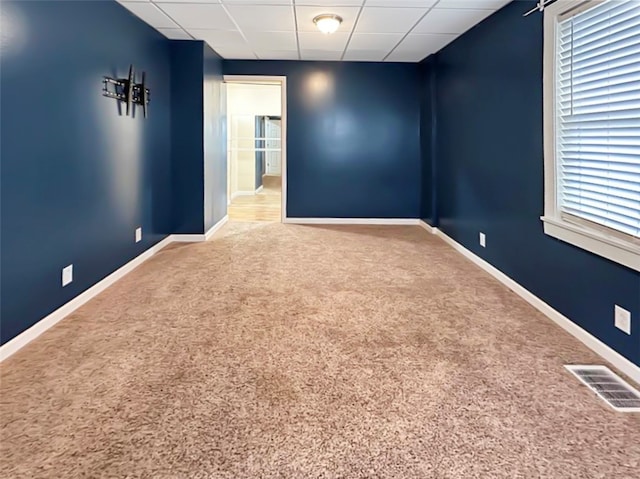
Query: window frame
x=597 y=239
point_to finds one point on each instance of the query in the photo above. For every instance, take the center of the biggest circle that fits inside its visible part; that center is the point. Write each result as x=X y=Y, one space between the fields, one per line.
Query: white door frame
x=282 y=80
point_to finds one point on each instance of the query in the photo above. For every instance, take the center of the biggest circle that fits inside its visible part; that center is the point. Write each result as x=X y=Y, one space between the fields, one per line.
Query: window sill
x=614 y=249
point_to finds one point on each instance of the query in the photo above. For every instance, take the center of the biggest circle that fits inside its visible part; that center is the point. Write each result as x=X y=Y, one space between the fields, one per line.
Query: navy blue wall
x=353 y=144
x=489 y=158
x=428 y=134
x=77 y=175
x=199 y=144
x=215 y=140
x=187 y=132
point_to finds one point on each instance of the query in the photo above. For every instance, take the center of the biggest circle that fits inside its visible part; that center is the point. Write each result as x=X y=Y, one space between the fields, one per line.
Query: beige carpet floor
x=280 y=351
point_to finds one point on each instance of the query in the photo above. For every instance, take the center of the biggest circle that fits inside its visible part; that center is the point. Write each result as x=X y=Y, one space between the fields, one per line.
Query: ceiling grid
x=372 y=30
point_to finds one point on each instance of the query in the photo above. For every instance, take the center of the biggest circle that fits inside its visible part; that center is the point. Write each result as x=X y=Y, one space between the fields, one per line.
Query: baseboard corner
x=215 y=228
x=423 y=224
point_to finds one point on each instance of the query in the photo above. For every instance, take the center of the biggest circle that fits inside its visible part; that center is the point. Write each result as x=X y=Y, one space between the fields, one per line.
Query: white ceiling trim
x=372 y=30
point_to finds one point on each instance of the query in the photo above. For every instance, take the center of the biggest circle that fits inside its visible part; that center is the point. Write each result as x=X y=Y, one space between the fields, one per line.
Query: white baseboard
x=13 y=345
x=197 y=238
x=215 y=228
x=188 y=238
x=353 y=221
x=593 y=343
x=427 y=226
x=10 y=347
x=607 y=353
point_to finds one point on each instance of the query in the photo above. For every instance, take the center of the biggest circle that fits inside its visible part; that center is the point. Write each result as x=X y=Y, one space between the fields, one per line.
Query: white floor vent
x=609 y=386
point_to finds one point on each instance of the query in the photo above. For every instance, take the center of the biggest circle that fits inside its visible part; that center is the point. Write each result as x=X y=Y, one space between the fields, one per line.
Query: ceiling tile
x=265 y=18
x=365 y=55
x=235 y=52
x=150 y=14
x=473 y=4
x=429 y=43
x=266 y=28
x=388 y=20
x=198 y=15
x=183 y=1
x=401 y=3
x=416 y=44
x=320 y=41
x=374 y=41
x=406 y=57
x=278 y=54
x=175 y=33
x=451 y=20
x=330 y=3
x=305 y=16
x=257 y=2
x=321 y=55
x=219 y=39
x=272 y=40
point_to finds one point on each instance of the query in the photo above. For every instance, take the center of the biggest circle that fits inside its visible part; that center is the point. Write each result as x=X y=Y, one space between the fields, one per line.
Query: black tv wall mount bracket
x=127 y=91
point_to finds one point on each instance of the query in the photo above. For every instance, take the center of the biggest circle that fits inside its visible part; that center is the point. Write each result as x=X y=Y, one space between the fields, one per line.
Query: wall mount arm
x=127 y=90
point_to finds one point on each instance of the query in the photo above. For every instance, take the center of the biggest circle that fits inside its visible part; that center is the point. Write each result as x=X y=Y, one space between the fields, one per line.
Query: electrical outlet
x=483 y=240
x=622 y=319
x=67 y=275
x=138 y=235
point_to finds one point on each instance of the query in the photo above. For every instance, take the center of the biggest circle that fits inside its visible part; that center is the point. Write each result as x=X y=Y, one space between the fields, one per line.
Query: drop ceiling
x=372 y=30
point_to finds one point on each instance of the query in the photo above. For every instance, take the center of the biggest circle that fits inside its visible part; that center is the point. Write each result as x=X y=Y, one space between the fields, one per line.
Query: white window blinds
x=598 y=116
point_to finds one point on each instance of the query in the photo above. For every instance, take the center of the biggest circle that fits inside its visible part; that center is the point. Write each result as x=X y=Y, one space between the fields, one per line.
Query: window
x=592 y=126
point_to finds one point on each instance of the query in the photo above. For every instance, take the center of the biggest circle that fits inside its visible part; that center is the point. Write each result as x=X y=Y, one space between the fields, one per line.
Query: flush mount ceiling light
x=327 y=23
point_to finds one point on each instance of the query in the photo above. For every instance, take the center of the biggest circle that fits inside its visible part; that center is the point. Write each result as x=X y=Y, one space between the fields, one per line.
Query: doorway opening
x=256 y=148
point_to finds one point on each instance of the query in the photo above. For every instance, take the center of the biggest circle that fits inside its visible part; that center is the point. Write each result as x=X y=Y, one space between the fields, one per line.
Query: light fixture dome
x=327 y=23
